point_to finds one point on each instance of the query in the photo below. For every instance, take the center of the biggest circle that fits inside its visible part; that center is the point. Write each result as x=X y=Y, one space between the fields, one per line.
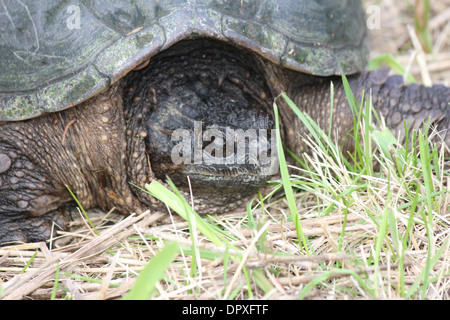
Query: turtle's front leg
x=83 y=148
x=21 y=227
x=400 y=104
x=29 y=201
x=396 y=102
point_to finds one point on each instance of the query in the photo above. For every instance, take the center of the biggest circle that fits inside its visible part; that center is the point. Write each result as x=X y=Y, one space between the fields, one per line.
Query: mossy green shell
x=56 y=54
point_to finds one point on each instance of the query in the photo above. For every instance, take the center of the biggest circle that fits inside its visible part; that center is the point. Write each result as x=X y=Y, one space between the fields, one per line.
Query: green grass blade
x=261 y=281
x=330 y=124
x=178 y=204
x=82 y=210
x=287 y=185
x=383 y=227
x=202 y=253
x=367 y=130
x=384 y=140
x=425 y=159
x=326 y=275
x=422 y=279
x=152 y=273
x=28 y=263
x=55 y=283
x=426 y=171
x=422 y=26
x=310 y=125
x=389 y=60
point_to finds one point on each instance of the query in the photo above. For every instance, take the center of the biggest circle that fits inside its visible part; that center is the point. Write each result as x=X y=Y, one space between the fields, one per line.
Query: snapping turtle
x=98 y=95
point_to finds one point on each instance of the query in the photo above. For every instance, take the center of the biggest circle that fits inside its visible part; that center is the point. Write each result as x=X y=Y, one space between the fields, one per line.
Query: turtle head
x=208 y=121
x=224 y=154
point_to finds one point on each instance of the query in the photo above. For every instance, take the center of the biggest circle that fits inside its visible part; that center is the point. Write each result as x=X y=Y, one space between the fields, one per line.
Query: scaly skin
x=99 y=147
x=395 y=101
x=39 y=157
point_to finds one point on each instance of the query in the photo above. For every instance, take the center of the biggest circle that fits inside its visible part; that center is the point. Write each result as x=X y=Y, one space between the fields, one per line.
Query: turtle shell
x=56 y=54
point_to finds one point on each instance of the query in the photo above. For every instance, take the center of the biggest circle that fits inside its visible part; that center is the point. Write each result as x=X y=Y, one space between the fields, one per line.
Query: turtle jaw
x=220 y=180
x=203 y=169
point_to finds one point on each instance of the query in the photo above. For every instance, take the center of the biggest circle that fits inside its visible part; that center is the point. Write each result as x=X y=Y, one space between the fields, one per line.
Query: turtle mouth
x=245 y=169
x=235 y=178
x=229 y=161
x=208 y=118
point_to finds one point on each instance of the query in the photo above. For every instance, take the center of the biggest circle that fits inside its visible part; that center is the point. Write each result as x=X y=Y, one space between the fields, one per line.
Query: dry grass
x=355 y=251
x=394 y=38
